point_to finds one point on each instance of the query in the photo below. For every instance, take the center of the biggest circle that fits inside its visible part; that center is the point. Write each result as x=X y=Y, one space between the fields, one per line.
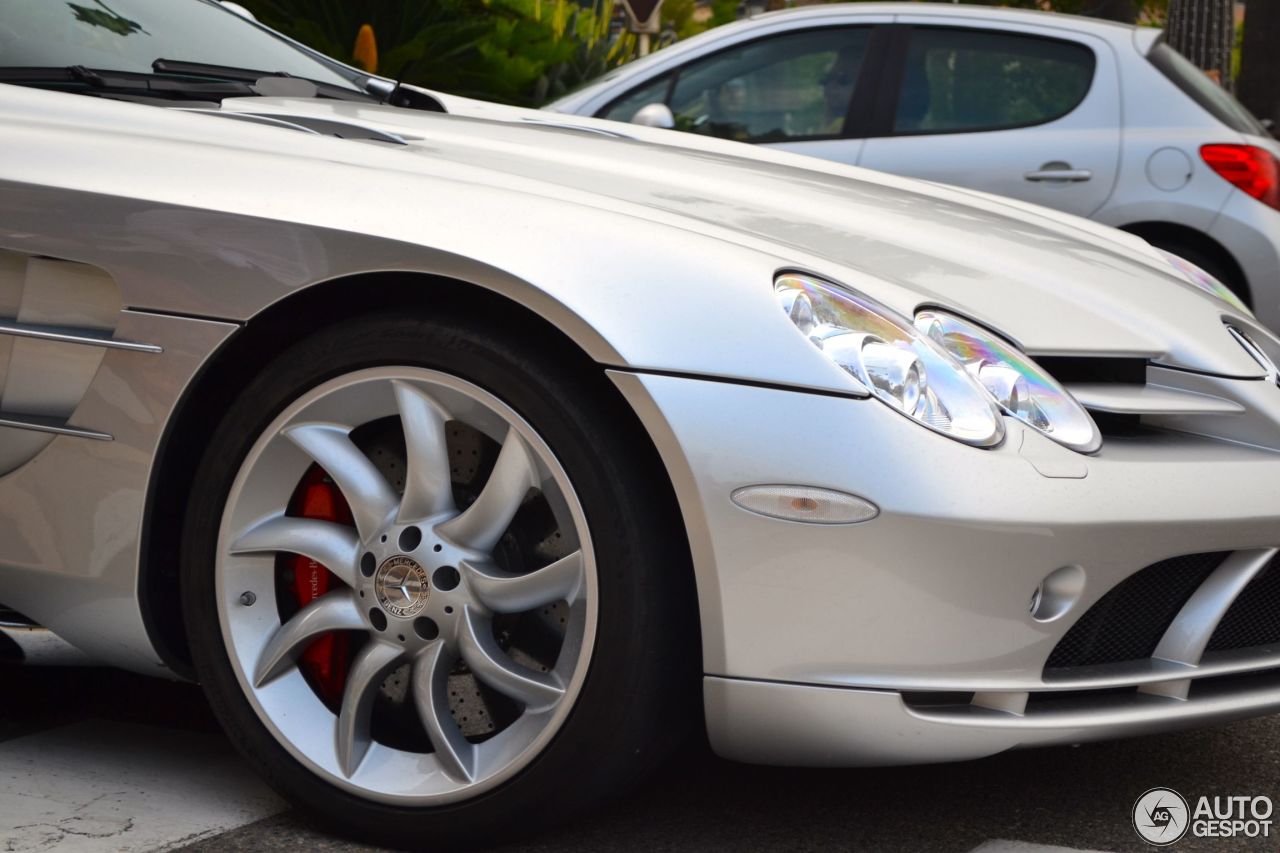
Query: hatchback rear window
x=959 y=80
x=1200 y=88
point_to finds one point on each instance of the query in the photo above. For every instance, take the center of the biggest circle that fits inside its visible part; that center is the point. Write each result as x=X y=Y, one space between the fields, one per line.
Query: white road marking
x=1024 y=847
x=104 y=786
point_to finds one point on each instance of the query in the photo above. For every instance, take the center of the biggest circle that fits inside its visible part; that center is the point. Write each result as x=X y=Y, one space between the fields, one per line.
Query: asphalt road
x=58 y=728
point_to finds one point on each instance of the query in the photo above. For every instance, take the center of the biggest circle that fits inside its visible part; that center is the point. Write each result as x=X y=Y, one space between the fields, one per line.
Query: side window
x=796 y=86
x=959 y=80
x=626 y=107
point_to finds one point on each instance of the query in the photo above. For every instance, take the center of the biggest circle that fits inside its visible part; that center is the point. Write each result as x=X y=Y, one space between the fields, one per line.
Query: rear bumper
x=812 y=726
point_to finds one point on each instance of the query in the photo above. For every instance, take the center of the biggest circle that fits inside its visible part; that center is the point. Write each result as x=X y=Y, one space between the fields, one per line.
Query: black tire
x=641 y=685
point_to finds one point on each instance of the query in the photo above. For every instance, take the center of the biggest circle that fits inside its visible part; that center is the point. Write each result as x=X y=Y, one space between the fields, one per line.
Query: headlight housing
x=1205 y=281
x=1017 y=383
x=900 y=366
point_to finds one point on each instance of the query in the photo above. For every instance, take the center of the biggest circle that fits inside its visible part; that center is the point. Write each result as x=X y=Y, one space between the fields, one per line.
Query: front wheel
x=423 y=588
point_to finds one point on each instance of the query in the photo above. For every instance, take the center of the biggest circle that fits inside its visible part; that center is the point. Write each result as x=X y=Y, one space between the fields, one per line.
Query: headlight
x=1205 y=282
x=1019 y=385
x=900 y=366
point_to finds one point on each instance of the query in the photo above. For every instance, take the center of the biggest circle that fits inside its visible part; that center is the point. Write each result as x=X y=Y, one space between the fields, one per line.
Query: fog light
x=1057 y=593
x=805 y=503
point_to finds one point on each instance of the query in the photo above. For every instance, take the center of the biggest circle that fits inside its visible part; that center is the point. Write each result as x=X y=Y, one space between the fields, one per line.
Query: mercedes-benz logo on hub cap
x=401 y=586
x=1161 y=816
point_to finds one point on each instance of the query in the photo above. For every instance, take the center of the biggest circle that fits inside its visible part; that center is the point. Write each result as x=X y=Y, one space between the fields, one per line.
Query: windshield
x=128 y=35
x=1204 y=91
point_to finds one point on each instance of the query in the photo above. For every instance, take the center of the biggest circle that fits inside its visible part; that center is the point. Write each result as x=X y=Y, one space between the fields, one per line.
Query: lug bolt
x=248 y=598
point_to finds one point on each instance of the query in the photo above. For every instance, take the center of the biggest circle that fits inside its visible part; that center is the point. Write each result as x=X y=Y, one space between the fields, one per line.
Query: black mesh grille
x=1254 y=617
x=1128 y=622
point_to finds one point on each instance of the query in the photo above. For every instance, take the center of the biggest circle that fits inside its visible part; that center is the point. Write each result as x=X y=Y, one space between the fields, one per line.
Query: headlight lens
x=1019 y=385
x=1205 y=282
x=900 y=366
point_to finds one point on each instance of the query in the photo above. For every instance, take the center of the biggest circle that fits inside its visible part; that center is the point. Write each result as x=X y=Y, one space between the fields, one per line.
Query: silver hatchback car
x=1089 y=117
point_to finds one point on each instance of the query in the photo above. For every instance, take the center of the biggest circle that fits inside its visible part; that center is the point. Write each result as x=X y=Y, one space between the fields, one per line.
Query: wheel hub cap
x=401 y=587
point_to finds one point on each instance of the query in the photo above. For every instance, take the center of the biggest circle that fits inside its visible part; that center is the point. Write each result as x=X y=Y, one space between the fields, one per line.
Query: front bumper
x=806 y=626
x=803 y=725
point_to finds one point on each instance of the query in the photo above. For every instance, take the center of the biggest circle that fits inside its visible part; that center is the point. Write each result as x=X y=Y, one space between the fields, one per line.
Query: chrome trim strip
x=69 y=335
x=40 y=423
x=1188 y=635
x=1149 y=400
x=1098 y=677
x=1154 y=670
x=1112 y=712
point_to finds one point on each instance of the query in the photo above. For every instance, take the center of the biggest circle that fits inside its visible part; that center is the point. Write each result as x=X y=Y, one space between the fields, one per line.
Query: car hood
x=1053 y=283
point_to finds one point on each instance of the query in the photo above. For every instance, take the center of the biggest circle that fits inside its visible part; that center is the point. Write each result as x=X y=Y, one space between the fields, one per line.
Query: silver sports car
x=469 y=462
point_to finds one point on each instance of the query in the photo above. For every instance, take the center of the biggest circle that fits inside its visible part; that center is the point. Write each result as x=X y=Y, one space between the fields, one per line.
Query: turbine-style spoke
x=333 y=546
x=482 y=524
x=428 y=486
x=367 y=672
x=431 y=695
x=535 y=690
x=503 y=592
x=336 y=611
x=370 y=497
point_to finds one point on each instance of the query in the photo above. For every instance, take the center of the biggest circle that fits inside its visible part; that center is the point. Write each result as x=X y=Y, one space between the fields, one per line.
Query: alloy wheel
x=427 y=591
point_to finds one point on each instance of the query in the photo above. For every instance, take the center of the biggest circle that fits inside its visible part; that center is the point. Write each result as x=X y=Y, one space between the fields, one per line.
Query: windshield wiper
x=124 y=82
x=178 y=81
x=252 y=76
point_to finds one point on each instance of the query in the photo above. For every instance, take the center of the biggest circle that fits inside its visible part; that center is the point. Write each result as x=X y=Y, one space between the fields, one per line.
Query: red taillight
x=325 y=659
x=1248 y=168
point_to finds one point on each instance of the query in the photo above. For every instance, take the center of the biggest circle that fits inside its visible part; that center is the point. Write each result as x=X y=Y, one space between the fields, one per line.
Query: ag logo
x=1161 y=817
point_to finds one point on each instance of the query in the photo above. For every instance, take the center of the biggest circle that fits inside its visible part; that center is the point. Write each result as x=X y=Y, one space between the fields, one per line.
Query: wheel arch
x=1171 y=234
x=268 y=334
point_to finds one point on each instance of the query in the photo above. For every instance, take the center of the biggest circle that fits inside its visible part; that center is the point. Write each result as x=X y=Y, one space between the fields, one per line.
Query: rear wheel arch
x=1199 y=248
x=269 y=334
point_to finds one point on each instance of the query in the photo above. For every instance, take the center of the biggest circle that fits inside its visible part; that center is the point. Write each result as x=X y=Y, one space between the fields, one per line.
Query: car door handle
x=1059 y=172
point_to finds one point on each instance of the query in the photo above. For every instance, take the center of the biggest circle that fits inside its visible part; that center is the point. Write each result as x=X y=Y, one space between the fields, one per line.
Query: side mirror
x=654 y=115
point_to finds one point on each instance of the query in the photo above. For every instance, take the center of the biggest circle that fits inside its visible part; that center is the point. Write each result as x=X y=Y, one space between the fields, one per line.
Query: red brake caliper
x=325 y=660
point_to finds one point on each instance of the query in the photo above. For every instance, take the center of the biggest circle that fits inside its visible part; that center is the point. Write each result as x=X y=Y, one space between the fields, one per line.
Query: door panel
x=1008 y=112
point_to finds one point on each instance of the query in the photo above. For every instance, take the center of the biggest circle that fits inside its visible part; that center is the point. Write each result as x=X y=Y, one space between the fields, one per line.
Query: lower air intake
x=1254 y=617
x=1127 y=623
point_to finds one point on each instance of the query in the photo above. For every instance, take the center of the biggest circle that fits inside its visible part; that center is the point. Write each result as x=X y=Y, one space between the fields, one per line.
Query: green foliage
x=432 y=41
x=515 y=51
x=539 y=50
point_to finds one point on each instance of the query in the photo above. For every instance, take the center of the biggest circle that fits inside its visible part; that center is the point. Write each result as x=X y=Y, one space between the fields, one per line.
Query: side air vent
x=57 y=321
